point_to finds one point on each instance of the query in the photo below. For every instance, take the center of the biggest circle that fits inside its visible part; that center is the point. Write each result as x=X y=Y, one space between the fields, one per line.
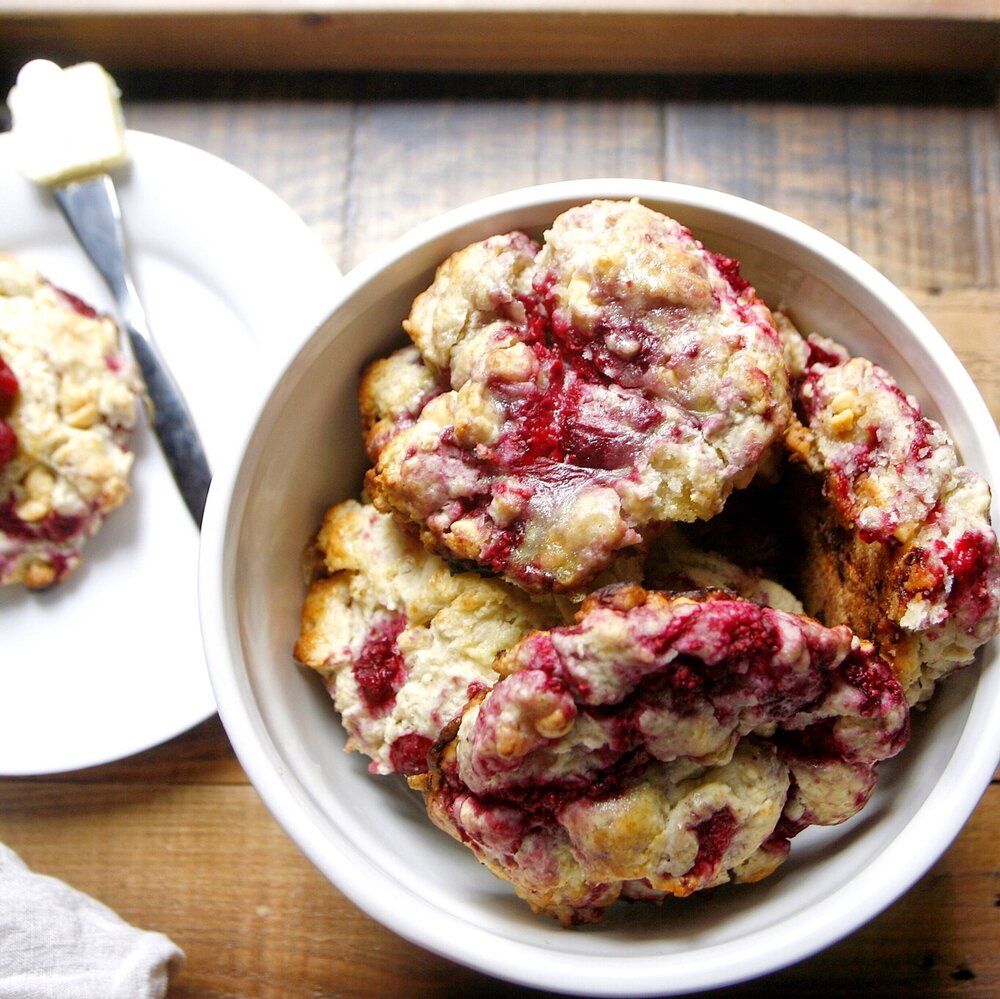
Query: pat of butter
x=67 y=123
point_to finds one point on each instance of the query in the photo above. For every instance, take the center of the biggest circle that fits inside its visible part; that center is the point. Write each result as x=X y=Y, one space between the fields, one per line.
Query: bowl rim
x=928 y=833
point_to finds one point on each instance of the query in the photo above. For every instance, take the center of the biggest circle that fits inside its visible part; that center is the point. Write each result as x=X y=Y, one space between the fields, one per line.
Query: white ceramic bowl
x=368 y=835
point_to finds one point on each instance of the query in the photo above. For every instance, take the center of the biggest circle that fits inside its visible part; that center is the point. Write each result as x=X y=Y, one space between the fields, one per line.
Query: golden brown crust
x=844 y=580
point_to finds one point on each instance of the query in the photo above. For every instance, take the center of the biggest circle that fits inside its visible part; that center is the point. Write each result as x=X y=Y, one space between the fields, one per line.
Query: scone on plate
x=69 y=401
x=563 y=400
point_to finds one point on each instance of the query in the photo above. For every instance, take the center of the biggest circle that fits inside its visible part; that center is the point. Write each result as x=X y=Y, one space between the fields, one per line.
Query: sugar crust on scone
x=662 y=745
x=68 y=406
x=576 y=395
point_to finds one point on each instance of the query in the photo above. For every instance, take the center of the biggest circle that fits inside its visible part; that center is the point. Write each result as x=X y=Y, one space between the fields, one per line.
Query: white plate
x=111 y=662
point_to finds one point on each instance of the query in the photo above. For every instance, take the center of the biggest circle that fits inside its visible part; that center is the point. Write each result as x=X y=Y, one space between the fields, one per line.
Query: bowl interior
x=369 y=835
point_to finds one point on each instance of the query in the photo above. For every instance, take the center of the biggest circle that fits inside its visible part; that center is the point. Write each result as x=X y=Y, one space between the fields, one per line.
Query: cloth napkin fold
x=58 y=943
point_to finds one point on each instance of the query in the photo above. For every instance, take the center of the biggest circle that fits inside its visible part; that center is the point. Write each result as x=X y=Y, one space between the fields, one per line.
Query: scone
x=68 y=406
x=662 y=745
x=898 y=540
x=563 y=401
x=400 y=640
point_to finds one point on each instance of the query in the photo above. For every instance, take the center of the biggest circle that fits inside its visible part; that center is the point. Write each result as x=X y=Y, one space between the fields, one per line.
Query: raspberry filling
x=8 y=443
x=554 y=439
x=379 y=669
x=584 y=420
x=827 y=358
x=744 y=685
x=55 y=527
x=550 y=422
x=729 y=268
x=849 y=462
x=968 y=565
x=76 y=303
x=969 y=561
x=8 y=387
x=408 y=754
x=877 y=689
x=714 y=836
x=8 y=390
x=729 y=664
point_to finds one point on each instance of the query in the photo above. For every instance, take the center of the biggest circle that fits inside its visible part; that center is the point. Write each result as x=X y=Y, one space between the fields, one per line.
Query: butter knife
x=91 y=208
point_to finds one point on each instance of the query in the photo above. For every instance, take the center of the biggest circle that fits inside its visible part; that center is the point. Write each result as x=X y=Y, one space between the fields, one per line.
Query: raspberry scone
x=565 y=400
x=662 y=745
x=899 y=543
x=400 y=640
x=68 y=406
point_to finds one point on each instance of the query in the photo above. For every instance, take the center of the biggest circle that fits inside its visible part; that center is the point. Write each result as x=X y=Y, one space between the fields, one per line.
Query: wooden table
x=906 y=172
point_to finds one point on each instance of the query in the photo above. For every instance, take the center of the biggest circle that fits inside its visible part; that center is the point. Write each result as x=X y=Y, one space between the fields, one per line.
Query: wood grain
x=559 y=36
x=207 y=865
x=913 y=186
x=175 y=838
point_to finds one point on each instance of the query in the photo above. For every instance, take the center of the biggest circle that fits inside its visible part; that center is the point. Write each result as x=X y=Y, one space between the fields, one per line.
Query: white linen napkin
x=58 y=943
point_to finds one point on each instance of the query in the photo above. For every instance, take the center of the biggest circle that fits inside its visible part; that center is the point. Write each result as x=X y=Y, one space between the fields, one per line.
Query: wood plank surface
x=188 y=849
x=175 y=839
x=512 y=35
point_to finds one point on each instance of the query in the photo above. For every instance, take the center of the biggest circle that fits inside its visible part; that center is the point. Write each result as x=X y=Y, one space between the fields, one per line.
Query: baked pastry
x=400 y=640
x=68 y=406
x=662 y=745
x=898 y=540
x=565 y=400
